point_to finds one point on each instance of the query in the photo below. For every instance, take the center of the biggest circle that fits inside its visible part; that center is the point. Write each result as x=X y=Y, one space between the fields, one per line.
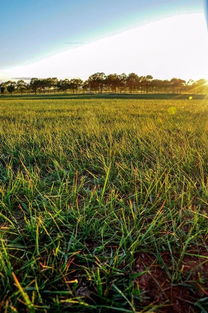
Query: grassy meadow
x=103 y=205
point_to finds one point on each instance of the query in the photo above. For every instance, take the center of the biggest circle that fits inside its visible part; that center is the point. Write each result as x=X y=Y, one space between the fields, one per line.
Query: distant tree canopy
x=102 y=83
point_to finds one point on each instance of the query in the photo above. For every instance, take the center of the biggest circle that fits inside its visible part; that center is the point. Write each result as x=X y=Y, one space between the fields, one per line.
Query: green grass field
x=103 y=205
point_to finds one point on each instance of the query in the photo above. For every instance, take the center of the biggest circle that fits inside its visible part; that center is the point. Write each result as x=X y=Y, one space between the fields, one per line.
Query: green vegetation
x=102 y=83
x=103 y=205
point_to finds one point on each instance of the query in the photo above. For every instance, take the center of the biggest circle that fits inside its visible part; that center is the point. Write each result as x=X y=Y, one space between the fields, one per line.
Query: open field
x=103 y=205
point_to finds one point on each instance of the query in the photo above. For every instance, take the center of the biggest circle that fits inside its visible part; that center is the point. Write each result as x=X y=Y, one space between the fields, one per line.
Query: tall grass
x=85 y=185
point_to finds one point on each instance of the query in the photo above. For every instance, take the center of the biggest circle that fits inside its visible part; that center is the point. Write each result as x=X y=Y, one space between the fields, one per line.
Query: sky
x=68 y=38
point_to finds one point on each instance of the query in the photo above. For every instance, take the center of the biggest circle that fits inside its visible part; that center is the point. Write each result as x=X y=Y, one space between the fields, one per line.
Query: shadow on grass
x=105 y=96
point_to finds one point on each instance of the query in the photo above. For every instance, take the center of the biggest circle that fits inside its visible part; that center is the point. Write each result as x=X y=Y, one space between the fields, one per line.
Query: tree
x=75 y=84
x=122 y=81
x=148 y=83
x=2 y=88
x=132 y=82
x=21 y=86
x=200 y=86
x=10 y=85
x=96 y=81
x=63 y=85
x=177 y=84
x=50 y=83
x=34 y=84
x=112 y=82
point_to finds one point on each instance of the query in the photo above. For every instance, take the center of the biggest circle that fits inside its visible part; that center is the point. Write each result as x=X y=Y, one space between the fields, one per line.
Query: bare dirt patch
x=158 y=288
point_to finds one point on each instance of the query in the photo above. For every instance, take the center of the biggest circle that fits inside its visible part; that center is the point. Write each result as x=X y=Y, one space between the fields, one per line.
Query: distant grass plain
x=94 y=194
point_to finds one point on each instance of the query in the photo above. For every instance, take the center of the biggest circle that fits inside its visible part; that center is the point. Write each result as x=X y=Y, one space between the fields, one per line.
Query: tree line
x=102 y=83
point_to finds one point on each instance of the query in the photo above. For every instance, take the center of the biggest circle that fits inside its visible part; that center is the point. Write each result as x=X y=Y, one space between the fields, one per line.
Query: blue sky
x=33 y=29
